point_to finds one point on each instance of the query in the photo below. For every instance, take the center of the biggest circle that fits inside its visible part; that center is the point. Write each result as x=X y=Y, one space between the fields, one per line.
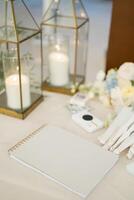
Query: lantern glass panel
x=17 y=23
x=11 y=96
x=57 y=14
x=69 y=20
x=69 y=13
x=59 y=43
x=82 y=48
x=7 y=29
x=80 y=12
x=1 y=72
x=25 y=24
x=32 y=66
x=20 y=59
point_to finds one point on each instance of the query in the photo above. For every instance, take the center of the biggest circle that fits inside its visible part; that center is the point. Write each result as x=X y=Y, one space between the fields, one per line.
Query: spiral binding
x=26 y=139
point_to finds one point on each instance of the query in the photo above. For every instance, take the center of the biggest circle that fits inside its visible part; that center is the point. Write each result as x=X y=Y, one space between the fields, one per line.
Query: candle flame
x=57 y=47
x=83 y=14
x=17 y=68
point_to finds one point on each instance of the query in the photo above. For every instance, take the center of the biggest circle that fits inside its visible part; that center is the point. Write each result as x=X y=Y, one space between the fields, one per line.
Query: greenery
x=132 y=82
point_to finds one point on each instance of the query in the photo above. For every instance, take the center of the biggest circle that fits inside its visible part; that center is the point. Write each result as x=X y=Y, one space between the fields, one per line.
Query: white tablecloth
x=19 y=182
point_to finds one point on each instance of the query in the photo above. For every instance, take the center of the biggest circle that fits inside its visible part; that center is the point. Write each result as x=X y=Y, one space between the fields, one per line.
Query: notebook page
x=67 y=159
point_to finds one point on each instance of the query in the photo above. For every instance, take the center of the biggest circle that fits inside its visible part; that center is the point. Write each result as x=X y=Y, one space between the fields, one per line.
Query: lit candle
x=58 y=68
x=13 y=91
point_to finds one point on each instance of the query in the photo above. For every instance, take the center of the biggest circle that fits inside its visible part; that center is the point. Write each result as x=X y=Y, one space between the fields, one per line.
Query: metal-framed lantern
x=20 y=67
x=65 y=28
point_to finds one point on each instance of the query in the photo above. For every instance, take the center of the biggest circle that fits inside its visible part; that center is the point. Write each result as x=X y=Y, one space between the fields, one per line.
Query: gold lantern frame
x=75 y=28
x=21 y=114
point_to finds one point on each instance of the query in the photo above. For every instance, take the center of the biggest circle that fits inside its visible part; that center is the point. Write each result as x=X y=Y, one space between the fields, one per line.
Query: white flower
x=126 y=71
x=115 y=93
x=123 y=83
x=100 y=75
x=111 y=72
x=116 y=98
x=128 y=95
x=99 y=87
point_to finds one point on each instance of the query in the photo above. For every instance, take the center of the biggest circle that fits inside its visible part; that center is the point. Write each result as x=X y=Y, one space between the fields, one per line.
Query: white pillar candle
x=13 y=91
x=59 y=68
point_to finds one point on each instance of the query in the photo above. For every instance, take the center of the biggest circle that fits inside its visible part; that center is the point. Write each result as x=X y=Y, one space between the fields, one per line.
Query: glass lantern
x=20 y=63
x=65 y=28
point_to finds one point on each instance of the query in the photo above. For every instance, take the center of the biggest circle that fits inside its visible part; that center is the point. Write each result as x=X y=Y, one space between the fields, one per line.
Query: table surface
x=19 y=182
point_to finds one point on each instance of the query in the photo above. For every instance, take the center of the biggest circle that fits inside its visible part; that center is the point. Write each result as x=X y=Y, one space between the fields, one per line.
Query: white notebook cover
x=65 y=158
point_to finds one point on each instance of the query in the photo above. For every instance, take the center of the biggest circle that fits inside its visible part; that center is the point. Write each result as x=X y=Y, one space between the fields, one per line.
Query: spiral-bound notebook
x=65 y=158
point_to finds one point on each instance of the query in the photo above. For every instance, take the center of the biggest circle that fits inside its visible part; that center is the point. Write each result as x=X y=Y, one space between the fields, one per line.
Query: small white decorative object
x=131 y=152
x=79 y=99
x=124 y=115
x=128 y=132
x=114 y=141
x=120 y=135
x=116 y=98
x=87 y=121
x=73 y=108
x=13 y=91
x=125 y=144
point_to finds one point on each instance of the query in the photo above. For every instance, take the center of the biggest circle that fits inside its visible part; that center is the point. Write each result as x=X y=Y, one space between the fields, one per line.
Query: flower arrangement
x=116 y=88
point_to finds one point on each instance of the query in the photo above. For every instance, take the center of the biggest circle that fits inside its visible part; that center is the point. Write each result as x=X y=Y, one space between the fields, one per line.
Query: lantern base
x=20 y=115
x=69 y=89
